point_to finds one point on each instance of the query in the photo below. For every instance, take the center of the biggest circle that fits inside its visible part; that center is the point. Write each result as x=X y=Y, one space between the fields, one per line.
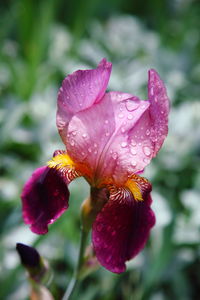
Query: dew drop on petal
x=106 y=121
x=133 y=143
x=123 y=144
x=72 y=142
x=89 y=150
x=130 y=117
x=84 y=135
x=114 y=156
x=107 y=134
x=133 y=163
x=123 y=129
x=146 y=150
x=74 y=133
x=95 y=145
x=147 y=132
x=133 y=151
x=120 y=115
x=131 y=105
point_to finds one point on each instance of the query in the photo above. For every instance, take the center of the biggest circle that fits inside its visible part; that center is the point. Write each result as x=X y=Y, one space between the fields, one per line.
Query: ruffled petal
x=121 y=229
x=79 y=91
x=44 y=198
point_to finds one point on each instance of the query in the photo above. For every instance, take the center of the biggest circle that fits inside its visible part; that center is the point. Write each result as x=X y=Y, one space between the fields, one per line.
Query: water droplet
x=146 y=160
x=74 y=133
x=147 y=132
x=89 y=150
x=95 y=145
x=133 y=151
x=130 y=117
x=147 y=150
x=84 y=135
x=123 y=144
x=114 y=156
x=120 y=115
x=113 y=233
x=133 y=143
x=83 y=153
x=95 y=152
x=72 y=142
x=106 y=121
x=134 y=163
x=107 y=134
x=132 y=104
x=123 y=129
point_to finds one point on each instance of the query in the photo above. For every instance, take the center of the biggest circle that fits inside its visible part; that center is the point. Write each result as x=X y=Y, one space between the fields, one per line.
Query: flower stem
x=71 y=287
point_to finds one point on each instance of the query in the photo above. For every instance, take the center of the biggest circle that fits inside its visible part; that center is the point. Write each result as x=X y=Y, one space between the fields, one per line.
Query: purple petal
x=44 y=198
x=79 y=91
x=121 y=229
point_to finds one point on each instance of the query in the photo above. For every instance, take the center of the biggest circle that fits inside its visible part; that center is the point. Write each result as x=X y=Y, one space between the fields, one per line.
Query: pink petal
x=44 y=198
x=120 y=134
x=97 y=135
x=80 y=90
x=159 y=109
x=121 y=230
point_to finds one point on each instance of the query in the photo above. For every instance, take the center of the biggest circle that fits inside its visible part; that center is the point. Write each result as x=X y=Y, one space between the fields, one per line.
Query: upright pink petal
x=44 y=198
x=121 y=229
x=81 y=90
x=159 y=109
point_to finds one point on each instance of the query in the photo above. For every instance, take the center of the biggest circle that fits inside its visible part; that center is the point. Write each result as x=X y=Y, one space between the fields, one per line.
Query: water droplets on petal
x=84 y=135
x=132 y=104
x=133 y=151
x=133 y=163
x=123 y=144
x=121 y=115
x=147 y=132
x=114 y=156
x=72 y=143
x=130 y=117
x=146 y=150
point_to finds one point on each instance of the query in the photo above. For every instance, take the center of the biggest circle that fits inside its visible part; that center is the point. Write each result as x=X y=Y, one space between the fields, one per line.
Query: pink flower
x=110 y=138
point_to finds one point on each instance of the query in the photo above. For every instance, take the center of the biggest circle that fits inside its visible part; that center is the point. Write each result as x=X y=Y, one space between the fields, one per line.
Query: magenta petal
x=121 y=230
x=44 y=198
x=81 y=90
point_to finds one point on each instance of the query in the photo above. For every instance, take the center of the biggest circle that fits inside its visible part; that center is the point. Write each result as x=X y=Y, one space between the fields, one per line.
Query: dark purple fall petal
x=44 y=198
x=121 y=230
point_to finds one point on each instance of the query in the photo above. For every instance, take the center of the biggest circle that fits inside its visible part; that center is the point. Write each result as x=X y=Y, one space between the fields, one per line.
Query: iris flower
x=110 y=137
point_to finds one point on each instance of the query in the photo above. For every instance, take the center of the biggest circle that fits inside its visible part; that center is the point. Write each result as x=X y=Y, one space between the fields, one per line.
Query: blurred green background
x=40 y=43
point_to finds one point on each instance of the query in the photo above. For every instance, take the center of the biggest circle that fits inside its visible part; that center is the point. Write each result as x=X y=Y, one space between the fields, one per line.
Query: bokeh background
x=40 y=43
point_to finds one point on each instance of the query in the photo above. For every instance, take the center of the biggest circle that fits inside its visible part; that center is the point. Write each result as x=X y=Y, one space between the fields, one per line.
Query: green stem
x=71 y=287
